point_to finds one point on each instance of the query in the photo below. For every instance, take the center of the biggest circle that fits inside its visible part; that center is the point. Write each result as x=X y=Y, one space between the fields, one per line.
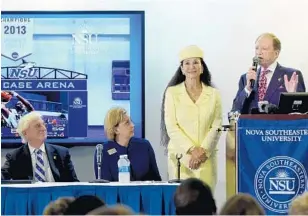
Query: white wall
x=225 y=29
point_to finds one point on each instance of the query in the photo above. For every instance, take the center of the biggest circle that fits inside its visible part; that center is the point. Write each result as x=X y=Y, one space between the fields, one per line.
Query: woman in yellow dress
x=191 y=117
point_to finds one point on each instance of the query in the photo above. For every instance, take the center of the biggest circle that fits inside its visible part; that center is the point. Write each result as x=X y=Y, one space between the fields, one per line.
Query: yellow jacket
x=190 y=125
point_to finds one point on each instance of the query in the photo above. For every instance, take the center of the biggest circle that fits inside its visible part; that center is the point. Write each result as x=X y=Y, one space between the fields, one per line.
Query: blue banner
x=78 y=109
x=273 y=161
x=44 y=84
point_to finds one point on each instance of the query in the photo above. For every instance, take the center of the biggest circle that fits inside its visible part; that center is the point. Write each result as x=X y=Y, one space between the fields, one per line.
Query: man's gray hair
x=24 y=123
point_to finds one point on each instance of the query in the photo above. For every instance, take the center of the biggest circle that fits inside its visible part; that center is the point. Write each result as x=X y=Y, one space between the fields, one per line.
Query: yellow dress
x=190 y=125
x=230 y=164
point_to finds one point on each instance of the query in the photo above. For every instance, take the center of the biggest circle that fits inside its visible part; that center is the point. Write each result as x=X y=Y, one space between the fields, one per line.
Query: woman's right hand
x=198 y=156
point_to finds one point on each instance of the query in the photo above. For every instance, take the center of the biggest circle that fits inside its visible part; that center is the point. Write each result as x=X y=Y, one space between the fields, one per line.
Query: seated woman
x=120 y=131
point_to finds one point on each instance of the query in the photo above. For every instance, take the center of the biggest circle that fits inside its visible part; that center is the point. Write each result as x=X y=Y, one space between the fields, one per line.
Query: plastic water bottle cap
x=123 y=156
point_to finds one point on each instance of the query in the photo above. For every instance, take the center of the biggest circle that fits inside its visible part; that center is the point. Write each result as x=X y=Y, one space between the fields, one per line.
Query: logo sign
x=85 y=38
x=16 y=37
x=22 y=73
x=85 y=42
x=278 y=181
x=77 y=103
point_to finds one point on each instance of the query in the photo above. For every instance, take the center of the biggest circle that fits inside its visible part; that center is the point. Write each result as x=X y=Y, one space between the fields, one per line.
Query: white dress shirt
x=268 y=76
x=47 y=169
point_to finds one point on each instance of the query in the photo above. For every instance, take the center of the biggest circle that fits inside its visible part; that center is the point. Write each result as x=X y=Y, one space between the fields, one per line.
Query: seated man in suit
x=120 y=131
x=270 y=78
x=37 y=160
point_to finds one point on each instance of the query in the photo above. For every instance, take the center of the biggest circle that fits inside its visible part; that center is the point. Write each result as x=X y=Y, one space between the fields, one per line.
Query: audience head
x=59 y=206
x=113 y=210
x=242 y=204
x=299 y=206
x=32 y=129
x=83 y=204
x=194 y=197
x=118 y=124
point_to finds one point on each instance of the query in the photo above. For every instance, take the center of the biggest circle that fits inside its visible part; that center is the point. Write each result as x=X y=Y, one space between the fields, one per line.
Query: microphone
x=178 y=180
x=264 y=107
x=99 y=152
x=255 y=62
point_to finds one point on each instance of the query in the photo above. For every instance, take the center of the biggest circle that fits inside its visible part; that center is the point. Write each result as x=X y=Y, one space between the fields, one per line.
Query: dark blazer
x=18 y=164
x=141 y=156
x=244 y=104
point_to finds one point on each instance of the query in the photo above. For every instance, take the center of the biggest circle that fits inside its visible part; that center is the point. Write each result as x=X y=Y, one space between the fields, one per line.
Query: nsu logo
x=85 y=38
x=21 y=73
x=77 y=103
x=278 y=181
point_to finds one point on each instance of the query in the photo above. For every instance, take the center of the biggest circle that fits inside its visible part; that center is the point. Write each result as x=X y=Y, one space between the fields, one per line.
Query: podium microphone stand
x=178 y=180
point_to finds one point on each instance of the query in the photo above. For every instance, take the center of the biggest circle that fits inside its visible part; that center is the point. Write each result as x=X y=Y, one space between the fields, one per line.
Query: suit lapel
x=182 y=95
x=205 y=95
x=52 y=158
x=275 y=83
x=27 y=162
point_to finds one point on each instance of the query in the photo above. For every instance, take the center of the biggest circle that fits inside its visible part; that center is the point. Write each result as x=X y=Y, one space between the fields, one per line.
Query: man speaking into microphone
x=266 y=79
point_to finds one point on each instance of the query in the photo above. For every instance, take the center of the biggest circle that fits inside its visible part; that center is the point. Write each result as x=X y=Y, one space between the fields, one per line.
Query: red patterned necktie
x=262 y=84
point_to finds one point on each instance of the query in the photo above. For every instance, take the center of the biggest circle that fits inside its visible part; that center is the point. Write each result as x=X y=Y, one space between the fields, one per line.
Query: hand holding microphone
x=251 y=75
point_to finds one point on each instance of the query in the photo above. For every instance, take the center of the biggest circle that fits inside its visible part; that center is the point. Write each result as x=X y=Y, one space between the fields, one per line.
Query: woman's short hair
x=24 y=123
x=113 y=117
x=58 y=207
x=242 y=204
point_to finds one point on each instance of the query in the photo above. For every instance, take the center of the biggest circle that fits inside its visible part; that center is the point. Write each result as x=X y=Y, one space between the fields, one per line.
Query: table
x=154 y=198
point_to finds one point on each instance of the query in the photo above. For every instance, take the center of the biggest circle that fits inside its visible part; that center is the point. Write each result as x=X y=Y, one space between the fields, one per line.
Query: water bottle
x=124 y=169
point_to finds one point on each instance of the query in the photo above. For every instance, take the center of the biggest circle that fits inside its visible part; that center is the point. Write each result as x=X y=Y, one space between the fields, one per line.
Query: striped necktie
x=39 y=173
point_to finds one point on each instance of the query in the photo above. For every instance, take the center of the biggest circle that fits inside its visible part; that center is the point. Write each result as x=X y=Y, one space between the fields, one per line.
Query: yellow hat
x=191 y=52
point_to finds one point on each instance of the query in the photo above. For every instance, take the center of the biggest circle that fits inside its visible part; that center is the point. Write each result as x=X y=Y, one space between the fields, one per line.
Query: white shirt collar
x=33 y=149
x=272 y=67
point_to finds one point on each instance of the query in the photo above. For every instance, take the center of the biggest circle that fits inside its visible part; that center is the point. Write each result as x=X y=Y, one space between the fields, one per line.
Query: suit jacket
x=142 y=159
x=192 y=124
x=18 y=164
x=244 y=104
